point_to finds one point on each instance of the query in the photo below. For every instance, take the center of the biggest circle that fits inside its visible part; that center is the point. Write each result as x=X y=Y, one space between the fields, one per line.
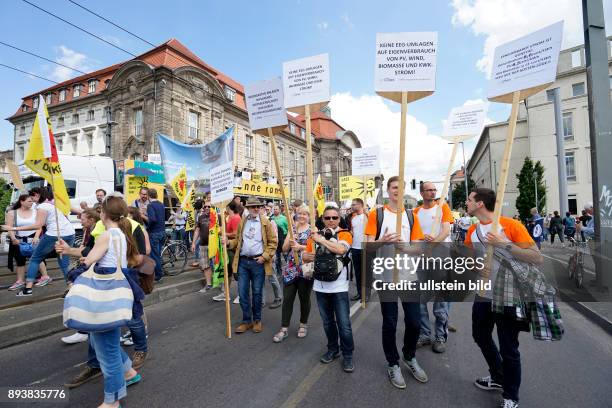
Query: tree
x=459 y=196
x=530 y=175
x=5 y=198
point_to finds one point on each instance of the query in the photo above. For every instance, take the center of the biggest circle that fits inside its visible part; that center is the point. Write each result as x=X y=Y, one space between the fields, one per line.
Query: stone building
x=117 y=111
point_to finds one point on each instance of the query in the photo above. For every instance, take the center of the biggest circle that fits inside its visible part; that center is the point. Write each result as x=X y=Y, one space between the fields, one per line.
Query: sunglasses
x=206 y=206
x=331 y=218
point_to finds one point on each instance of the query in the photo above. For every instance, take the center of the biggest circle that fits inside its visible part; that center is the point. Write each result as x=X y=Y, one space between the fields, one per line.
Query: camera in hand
x=328 y=233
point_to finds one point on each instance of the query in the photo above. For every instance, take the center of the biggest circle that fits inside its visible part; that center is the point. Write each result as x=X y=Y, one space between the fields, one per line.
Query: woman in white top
x=47 y=217
x=22 y=214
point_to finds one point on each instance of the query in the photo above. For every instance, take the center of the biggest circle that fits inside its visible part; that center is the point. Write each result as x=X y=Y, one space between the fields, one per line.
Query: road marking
x=565 y=264
x=315 y=374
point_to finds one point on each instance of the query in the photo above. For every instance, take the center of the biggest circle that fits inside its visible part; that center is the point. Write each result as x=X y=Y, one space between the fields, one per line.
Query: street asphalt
x=192 y=364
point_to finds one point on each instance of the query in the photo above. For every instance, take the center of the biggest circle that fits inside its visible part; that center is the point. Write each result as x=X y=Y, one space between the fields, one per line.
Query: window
x=578 y=89
x=138 y=123
x=572 y=205
x=73 y=142
x=90 y=115
x=75 y=119
x=22 y=131
x=610 y=81
x=76 y=91
x=265 y=151
x=21 y=152
x=89 y=139
x=194 y=124
x=302 y=190
x=60 y=121
x=550 y=95
x=302 y=169
x=70 y=188
x=576 y=59
x=62 y=95
x=292 y=128
x=24 y=108
x=48 y=98
x=292 y=163
x=249 y=146
x=230 y=93
x=92 y=86
x=303 y=133
x=570 y=166
x=35 y=103
x=106 y=83
x=568 y=126
x=60 y=144
x=281 y=157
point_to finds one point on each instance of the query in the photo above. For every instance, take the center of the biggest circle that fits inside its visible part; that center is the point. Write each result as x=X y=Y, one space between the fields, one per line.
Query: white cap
x=588 y=205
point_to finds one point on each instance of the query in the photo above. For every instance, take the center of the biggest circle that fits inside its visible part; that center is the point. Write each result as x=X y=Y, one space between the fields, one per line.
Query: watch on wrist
x=508 y=247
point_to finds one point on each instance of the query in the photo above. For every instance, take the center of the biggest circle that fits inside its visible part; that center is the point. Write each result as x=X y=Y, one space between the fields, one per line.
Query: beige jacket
x=270 y=242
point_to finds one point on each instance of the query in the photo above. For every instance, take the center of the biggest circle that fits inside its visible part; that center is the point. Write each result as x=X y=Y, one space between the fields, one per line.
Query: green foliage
x=5 y=198
x=530 y=175
x=459 y=196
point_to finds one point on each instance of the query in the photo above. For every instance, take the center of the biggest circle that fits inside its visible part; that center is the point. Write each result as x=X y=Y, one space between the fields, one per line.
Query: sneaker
x=219 y=298
x=205 y=289
x=138 y=359
x=17 y=285
x=508 y=403
x=329 y=356
x=237 y=300
x=276 y=304
x=76 y=338
x=439 y=346
x=127 y=341
x=44 y=281
x=487 y=383
x=88 y=373
x=423 y=341
x=25 y=292
x=347 y=365
x=452 y=328
x=395 y=376
x=417 y=372
x=127 y=335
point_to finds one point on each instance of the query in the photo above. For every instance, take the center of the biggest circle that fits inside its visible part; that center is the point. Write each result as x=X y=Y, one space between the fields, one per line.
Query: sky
x=249 y=41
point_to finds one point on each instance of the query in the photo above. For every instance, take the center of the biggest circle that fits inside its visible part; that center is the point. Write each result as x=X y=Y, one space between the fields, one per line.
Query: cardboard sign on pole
x=15 y=176
x=222 y=183
x=366 y=161
x=306 y=87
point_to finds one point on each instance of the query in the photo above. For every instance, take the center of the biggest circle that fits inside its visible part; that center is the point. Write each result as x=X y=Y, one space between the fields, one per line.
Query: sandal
x=280 y=336
x=302 y=331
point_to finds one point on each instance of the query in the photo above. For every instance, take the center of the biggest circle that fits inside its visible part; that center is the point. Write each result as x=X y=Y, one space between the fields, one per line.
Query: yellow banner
x=179 y=184
x=319 y=196
x=260 y=189
x=362 y=187
x=188 y=206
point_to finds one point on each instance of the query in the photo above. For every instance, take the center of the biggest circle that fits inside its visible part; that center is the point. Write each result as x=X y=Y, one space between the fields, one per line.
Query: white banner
x=306 y=81
x=222 y=183
x=366 y=161
x=465 y=121
x=526 y=62
x=406 y=61
x=265 y=104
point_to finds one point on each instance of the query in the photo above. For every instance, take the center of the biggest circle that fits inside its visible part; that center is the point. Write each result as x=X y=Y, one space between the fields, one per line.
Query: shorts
x=205 y=262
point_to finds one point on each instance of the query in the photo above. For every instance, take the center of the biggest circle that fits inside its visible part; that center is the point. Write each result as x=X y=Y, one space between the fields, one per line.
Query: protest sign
x=366 y=161
x=139 y=174
x=464 y=122
x=265 y=105
x=222 y=183
x=362 y=187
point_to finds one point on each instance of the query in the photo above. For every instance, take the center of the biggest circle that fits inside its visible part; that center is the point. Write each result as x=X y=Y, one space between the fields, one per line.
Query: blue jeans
x=196 y=254
x=114 y=363
x=334 y=310
x=44 y=247
x=139 y=336
x=181 y=235
x=440 y=311
x=156 y=239
x=251 y=277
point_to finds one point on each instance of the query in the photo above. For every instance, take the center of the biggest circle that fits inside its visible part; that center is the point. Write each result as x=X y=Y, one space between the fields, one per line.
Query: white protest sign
x=405 y=61
x=222 y=183
x=366 y=161
x=265 y=104
x=526 y=62
x=465 y=121
x=246 y=175
x=306 y=81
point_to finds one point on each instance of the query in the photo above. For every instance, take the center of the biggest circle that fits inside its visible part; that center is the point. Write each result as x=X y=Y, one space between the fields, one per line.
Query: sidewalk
x=25 y=319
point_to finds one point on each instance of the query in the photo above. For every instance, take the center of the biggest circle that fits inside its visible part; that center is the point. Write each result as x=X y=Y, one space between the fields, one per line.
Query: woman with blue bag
x=105 y=295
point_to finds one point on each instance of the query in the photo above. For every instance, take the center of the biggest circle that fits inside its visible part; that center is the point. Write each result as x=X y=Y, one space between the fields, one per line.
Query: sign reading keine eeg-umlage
x=526 y=62
x=465 y=121
x=265 y=104
x=306 y=81
x=406 y=62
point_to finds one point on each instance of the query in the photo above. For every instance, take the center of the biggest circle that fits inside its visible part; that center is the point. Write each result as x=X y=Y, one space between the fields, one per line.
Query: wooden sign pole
x=309 y=169
x=435 y=230
x=402 y=161
x=281 y=183
x=228 y=321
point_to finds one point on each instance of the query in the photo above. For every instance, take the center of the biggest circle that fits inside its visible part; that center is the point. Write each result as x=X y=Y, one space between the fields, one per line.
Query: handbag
x=99 y=302
x=26 y=249
x=146 y=274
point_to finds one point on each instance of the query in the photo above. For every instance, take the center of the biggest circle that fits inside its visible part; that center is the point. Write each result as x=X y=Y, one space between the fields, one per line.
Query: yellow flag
x=179 y=184
x=42 y=157
x=319 y=196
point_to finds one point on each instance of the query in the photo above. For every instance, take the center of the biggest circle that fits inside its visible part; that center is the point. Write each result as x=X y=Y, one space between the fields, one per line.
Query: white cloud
x=322 y=26
x=375 y=124
x=500 y=21
x=345 y=18
x=72 y=59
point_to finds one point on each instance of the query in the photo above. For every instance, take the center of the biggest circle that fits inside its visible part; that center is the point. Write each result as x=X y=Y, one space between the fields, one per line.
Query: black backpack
x=380 y=214
x=327 y=265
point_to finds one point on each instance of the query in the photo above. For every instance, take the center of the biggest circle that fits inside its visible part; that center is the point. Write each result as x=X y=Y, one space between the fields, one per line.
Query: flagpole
x=228 y=323
x=55 y=209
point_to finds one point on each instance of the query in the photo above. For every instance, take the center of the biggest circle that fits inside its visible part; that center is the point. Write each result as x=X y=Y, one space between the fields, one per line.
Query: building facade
x=117 y=111
x=535 y=138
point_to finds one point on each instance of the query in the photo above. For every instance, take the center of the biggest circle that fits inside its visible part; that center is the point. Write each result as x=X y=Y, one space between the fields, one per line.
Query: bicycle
x=174 y=255
x=575 y=266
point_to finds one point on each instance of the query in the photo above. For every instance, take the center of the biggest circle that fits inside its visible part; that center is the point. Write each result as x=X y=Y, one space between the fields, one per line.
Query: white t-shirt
x=426 y=219
x=109 y=260
x=465 y=222
x=388 y=224
x=481 y=248
x=339 y=285
x=65 y=227
x=357 y=227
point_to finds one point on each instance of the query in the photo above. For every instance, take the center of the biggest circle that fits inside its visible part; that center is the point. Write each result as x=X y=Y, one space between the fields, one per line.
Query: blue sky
x=249 y=40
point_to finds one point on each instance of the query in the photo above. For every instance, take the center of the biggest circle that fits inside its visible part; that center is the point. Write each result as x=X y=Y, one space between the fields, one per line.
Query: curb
x=591 y=314
x=33 y=329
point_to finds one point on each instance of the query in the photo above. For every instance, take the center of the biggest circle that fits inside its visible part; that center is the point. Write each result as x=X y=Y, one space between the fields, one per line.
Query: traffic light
x=413 y=184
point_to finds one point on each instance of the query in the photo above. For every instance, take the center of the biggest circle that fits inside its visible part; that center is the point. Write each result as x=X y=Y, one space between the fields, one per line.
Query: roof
x=171 y=54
